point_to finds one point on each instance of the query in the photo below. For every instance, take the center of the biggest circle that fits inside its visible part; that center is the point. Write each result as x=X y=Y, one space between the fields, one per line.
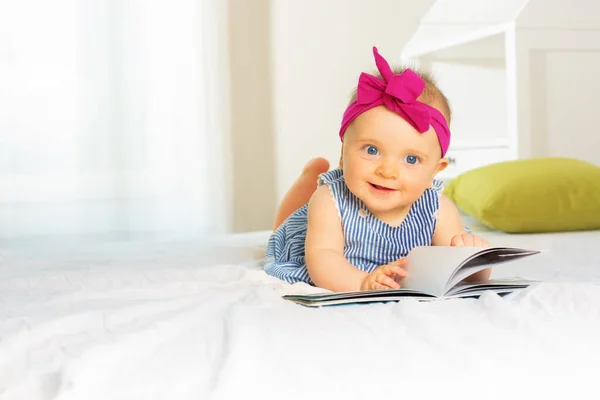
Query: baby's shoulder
x=334 y=184
x=437 y=186
x=333 y=177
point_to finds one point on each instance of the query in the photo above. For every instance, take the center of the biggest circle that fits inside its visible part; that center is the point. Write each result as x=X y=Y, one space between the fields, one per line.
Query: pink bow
x=399 y=94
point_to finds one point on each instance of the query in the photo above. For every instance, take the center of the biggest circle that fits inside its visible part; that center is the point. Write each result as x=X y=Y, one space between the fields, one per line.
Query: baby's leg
x=301 y=191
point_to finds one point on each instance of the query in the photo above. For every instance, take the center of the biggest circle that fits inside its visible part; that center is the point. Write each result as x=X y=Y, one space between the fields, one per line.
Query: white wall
x=565 y=116
x=251 y=116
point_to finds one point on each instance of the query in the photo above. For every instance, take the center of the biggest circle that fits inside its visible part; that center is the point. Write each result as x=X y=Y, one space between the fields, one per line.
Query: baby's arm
x=449 y=231
x=327 y=266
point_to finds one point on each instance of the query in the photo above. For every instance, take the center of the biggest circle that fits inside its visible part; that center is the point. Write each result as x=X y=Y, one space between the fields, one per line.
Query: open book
x=435 y=272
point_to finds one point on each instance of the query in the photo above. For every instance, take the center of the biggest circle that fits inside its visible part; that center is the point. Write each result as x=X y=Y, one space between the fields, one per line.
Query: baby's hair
x=431 y=93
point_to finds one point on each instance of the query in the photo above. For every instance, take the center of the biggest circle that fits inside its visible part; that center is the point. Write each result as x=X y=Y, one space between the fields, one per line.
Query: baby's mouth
x=378 y=187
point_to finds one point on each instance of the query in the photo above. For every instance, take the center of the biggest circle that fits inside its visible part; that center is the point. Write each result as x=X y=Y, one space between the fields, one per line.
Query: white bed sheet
x=170 y=321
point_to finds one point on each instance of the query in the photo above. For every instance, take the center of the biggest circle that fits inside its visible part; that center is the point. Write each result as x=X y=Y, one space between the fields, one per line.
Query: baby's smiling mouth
x=382 y=188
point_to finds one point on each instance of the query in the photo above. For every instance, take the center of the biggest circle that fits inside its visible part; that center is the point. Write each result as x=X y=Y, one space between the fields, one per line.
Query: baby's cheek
x=416 y=185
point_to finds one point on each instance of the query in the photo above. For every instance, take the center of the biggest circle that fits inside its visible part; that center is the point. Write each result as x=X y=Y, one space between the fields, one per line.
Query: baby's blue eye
x=412 y=159
x=372 y=150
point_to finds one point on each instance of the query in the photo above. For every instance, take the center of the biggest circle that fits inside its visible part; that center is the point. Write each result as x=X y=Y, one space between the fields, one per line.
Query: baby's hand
x=466 y=240
x=383 y=277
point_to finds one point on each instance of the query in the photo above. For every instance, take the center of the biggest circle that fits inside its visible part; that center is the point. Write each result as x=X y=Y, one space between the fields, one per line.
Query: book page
x=376 y=296
x=430 y=268
x=492 y=284
x=326 y=296
x=487 y=259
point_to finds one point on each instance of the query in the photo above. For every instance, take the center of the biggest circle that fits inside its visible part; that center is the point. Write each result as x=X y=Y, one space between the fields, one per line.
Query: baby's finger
x=401 y=262
x=390 y=270
x=378 y=286
x=400 y=272
x=457 y=241
x=398 y=279
x=469 y=240
x=485 y=243
x=479 y=242
x=388 y=282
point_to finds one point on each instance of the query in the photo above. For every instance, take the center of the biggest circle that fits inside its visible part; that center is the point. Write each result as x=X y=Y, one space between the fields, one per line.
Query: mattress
x=147 y=320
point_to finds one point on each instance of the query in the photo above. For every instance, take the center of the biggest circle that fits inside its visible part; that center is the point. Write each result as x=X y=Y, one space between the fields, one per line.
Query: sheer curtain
x=110 y=119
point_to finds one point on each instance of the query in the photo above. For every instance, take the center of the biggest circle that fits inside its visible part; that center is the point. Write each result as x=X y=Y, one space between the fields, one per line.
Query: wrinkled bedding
x=176 y=321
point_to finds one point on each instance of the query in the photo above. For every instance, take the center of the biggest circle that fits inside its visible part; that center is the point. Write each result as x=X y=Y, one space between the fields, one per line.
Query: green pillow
x=533 y=195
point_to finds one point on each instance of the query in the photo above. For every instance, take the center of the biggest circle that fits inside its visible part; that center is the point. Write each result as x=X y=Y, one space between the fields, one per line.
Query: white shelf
x=507 y=67
x=461 y=12
x=450 y=24
x=452 y=42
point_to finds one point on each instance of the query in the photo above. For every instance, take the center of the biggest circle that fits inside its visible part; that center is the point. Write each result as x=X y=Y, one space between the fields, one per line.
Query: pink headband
x=398 y=93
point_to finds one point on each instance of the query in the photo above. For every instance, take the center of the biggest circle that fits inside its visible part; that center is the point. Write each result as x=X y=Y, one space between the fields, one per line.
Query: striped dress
x=368 y=241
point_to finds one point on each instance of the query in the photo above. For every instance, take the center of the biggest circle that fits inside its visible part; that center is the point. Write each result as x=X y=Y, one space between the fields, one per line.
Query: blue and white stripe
x=369 y=242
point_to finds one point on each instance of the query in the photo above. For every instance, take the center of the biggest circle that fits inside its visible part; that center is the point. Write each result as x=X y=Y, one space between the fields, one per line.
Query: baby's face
x=387 y=163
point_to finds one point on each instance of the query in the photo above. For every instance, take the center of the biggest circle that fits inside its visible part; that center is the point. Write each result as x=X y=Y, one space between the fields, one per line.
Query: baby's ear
x=441 y=165
x=341 y=164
